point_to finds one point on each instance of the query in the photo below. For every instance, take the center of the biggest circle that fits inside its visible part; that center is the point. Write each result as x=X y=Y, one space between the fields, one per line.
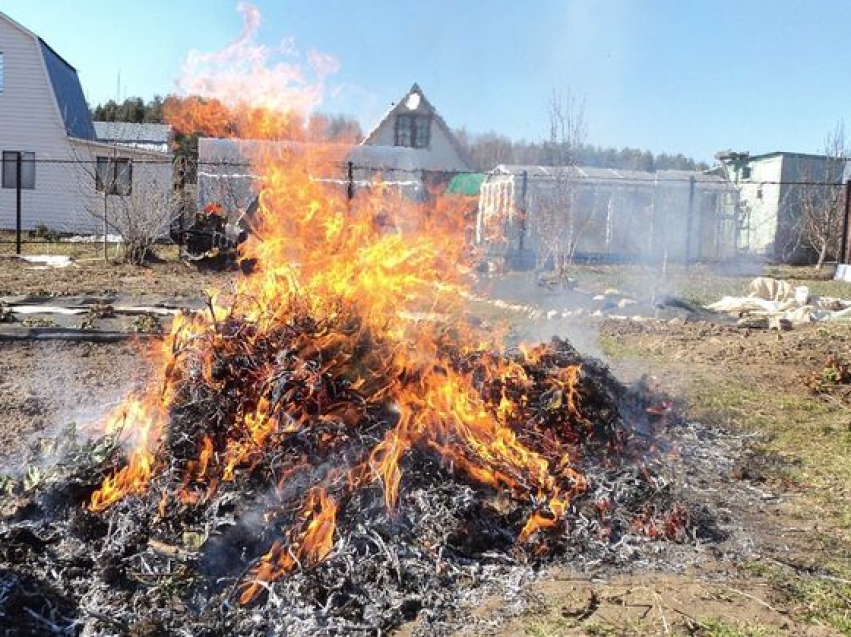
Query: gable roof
x=69 y=94
x=422 y=106
x=67 y=90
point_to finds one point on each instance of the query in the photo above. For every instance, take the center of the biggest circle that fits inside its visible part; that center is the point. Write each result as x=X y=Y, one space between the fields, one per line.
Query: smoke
x=49 y=386
x=247 y=71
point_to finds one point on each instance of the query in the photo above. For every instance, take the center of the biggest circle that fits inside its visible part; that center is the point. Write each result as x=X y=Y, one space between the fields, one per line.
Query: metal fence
x=37 y=192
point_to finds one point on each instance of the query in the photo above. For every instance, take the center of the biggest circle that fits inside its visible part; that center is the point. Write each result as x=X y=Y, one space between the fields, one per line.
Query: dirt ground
x=47 y=385
x=777 y=402
x=773 y=394
x=92 y=276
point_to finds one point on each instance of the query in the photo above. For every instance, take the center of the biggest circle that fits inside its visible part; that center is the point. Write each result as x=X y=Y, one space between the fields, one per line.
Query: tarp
x=465 y=184
x=775 y=298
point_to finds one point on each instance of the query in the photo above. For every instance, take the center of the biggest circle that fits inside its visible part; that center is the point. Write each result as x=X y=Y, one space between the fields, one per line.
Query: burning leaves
x=143 y=422
x=349 y=444
x=287 y=474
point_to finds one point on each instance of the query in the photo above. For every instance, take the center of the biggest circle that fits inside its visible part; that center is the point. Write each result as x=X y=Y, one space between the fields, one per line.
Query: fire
x=310 y=543
x=144 y=421
x=370 y=291
x=362 y=274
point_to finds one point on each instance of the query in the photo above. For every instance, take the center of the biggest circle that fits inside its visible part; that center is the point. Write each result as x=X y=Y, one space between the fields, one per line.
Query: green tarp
x=465 y=184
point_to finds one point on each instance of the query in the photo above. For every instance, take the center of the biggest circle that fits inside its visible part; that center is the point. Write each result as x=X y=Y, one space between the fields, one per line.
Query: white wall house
x=65 y=167
x=413 y=138
x=411 y=149
x=772 y=187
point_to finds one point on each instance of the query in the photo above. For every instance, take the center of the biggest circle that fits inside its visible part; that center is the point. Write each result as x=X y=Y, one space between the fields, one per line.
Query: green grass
x=700 y=284
x=811 y=434
x=804 y=444
x=820 y=594
x=717 y=627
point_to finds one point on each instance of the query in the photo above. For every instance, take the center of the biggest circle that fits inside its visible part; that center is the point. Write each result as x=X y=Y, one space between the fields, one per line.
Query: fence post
x=18 y=172
x=689 y=216
x=105 y=213
x=524 y=185
x=843 y=251
x=350 y=186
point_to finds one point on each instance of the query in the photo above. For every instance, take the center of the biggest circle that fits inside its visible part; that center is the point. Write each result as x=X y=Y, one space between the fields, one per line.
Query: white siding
x=441 y=152
x=761 y=201
x=152 y=182
x=30 y=121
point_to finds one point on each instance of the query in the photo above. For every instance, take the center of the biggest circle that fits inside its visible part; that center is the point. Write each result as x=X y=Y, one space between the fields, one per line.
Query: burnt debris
x=288 y=523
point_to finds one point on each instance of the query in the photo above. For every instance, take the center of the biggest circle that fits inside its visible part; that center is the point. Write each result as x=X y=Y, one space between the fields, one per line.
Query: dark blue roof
x=69 y=94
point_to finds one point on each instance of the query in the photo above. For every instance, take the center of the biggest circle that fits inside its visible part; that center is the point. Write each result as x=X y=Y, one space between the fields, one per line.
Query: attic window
x=746 y=172
x=413 y=131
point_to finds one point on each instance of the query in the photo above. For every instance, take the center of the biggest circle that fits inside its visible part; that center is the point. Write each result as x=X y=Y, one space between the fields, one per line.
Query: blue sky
x=670 y=76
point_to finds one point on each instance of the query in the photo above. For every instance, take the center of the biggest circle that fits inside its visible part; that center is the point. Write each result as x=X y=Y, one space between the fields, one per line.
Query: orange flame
x=383 y=280
x=309 y=545
x=144 y=420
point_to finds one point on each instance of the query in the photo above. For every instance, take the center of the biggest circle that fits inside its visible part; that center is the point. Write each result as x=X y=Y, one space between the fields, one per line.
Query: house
x=68 y=174
x=411 y=149
x=419 y=136
x=774 y=188
x=411 y=146
x=614 y=214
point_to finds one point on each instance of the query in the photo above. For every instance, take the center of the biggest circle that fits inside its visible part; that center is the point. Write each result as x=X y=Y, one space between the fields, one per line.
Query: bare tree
x=556 y=216
x=130 y=196
x=821 y=199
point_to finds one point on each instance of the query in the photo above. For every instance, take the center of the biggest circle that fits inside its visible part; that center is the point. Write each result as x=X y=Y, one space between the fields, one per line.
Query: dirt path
x=94 y=277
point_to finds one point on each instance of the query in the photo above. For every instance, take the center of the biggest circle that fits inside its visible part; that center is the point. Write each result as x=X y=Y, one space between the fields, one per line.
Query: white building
x=419 y=135
x=65 y=168
x=411 y=149
x=772 y=188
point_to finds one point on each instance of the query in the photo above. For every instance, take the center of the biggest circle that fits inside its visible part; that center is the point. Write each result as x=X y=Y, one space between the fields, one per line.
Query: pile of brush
x=296 y=489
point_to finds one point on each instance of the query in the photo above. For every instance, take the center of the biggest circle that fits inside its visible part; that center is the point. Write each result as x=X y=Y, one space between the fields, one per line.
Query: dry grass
x=702 y=283
x=31 y=244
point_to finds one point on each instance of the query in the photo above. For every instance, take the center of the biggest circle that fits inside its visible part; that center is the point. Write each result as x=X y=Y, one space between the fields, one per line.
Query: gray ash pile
x=293 y=486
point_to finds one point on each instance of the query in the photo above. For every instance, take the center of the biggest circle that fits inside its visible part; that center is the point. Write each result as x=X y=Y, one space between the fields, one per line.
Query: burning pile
x=337 y=443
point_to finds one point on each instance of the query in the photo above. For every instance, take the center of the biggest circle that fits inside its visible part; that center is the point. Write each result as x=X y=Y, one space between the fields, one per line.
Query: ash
x=144 y=568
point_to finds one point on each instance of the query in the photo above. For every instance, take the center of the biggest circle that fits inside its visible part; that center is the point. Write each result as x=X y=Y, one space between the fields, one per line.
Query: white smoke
x=246 y=71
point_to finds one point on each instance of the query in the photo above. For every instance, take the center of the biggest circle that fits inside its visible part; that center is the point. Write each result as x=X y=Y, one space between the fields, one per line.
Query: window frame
x=10 y=176
x=407 y=130
x=421 y=141
x=110 y=178
x=412 y=130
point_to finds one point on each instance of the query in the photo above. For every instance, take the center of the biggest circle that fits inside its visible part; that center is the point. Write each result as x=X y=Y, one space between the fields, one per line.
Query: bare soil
x=97 y=278
x=776 y=417
x=45 y=386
